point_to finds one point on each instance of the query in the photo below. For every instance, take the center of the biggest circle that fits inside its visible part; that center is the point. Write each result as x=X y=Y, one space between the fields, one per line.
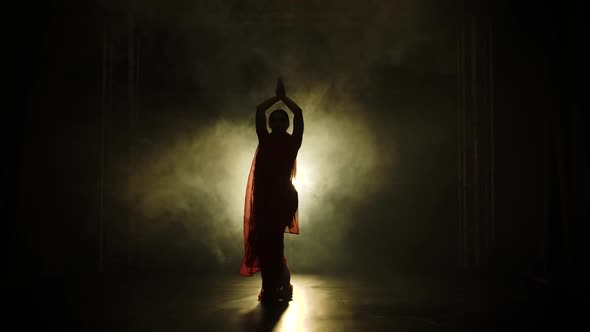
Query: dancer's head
x=278 y=121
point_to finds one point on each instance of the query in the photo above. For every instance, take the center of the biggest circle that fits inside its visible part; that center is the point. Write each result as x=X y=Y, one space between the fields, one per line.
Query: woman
x=271 y=199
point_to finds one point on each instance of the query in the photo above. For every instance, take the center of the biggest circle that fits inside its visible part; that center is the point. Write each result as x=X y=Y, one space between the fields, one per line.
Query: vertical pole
x=103 y=102
x=475 y=208
x=492 y=140
x=475 y=119
x=459 y=73
x=464 y=132
x=131 y=100
x=136 y=77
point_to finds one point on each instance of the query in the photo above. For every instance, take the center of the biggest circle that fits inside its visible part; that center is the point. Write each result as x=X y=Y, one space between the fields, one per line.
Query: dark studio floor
x=320 y=303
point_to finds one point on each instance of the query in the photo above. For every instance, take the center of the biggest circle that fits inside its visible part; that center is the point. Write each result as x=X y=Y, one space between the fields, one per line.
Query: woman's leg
x=271 y=259
x=285 y=274
x=286 y=287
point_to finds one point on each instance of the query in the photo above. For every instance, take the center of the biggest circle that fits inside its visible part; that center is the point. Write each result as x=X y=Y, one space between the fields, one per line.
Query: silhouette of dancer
x=271 y=199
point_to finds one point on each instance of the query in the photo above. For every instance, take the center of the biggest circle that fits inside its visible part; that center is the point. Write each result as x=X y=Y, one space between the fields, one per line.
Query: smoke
x=372 y=80
x=195 y=177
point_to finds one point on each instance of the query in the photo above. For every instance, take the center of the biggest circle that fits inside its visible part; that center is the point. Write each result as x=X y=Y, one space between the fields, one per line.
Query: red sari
x=271 y=207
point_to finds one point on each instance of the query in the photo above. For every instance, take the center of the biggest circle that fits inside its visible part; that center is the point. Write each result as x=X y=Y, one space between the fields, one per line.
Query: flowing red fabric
x=259 y=213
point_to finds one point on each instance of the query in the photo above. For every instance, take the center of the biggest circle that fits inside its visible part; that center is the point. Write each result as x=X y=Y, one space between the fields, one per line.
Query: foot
x=283 y=294
x=286 y=292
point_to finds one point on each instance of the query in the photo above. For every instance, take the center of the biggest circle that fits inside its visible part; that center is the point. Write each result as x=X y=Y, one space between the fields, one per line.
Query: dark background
x=397 y=61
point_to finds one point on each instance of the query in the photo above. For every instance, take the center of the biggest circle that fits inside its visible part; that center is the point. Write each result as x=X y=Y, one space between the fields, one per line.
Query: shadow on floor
x=262 y=317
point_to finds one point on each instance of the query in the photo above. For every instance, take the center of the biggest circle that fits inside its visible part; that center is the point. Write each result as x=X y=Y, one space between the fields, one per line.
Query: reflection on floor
x=320 y=303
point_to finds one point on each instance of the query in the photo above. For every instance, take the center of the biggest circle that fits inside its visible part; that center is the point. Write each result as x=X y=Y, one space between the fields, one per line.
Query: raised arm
x=297 y=114
x=261 y=117
x=297 y=119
